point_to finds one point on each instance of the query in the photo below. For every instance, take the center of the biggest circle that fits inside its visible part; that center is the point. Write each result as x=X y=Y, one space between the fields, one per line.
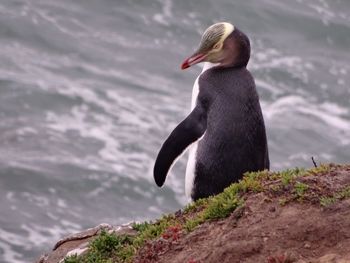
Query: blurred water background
x=89 y=89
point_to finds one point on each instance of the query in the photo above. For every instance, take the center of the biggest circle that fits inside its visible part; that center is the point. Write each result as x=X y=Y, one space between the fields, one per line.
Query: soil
x=277 y=225
x=266 y=231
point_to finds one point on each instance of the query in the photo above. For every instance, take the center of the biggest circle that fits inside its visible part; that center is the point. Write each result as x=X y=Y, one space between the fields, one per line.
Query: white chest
x=191 y=163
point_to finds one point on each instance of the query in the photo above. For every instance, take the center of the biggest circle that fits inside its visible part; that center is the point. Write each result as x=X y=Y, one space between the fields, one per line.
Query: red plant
x=172 y=233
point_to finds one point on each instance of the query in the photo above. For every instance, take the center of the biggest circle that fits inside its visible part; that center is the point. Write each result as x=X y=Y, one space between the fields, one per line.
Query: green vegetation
x=72 y=259
x=287 y=185
x=321 y=169
x=216 y=207
x=282 y=201
x=289 y=175
x=300 y=189
x=148 y=231
x=195 y=206
x=329 y=200
x=106 y=248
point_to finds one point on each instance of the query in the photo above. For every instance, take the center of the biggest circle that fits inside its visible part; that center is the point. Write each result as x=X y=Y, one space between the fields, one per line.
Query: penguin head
x=221 y=43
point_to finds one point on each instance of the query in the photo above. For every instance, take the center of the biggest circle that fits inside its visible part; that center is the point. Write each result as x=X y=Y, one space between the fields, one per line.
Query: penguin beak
x=194 y=59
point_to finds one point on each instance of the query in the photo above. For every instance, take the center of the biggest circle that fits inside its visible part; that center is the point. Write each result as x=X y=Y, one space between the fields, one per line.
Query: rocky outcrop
x=292 y=216
x=78 y=243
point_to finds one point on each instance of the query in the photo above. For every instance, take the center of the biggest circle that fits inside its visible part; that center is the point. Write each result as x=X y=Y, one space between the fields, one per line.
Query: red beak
x=194 y=59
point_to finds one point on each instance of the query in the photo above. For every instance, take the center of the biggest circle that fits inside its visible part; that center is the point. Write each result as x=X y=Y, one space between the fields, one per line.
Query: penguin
x=225 y=130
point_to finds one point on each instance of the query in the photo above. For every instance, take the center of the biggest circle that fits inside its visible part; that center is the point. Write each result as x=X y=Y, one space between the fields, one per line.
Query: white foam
x=274 y=90
x=41 y=235
x=10 y=196
x=8 y=254
x=325 y=115
x=36 y=199
x=61 y=203
x=323 y=11
x=155 y=209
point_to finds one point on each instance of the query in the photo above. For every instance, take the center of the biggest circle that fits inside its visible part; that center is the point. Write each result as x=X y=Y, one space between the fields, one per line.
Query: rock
x=78 y=243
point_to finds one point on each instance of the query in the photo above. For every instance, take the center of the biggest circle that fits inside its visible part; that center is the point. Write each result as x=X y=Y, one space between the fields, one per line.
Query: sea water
x=90 y=89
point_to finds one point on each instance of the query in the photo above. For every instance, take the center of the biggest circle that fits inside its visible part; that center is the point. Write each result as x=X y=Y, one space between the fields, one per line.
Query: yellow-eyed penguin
x=225 y=129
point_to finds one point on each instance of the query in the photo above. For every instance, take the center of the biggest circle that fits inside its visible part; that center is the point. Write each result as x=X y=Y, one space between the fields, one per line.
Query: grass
x=110 y=248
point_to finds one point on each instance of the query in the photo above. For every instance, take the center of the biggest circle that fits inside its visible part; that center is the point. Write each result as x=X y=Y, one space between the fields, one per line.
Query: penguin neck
x=195 y=90
x=236 y=50
x=208 y=65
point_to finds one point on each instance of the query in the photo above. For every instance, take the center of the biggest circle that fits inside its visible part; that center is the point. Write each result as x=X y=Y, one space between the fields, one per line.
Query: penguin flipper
x=187 y=132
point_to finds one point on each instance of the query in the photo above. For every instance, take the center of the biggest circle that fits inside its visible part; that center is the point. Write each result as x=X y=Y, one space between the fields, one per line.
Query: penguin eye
x=217 y=46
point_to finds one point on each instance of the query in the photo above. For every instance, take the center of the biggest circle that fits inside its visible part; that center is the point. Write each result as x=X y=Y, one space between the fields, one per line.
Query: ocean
x=90 y=89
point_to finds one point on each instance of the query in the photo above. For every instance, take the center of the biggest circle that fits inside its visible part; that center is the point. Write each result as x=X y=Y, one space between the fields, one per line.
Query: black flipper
x=187 y=132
